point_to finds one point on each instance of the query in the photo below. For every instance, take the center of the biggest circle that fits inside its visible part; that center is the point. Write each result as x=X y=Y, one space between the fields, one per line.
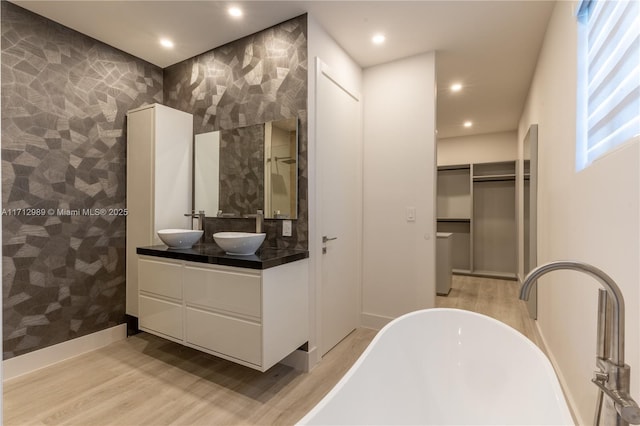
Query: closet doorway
x=477 y=204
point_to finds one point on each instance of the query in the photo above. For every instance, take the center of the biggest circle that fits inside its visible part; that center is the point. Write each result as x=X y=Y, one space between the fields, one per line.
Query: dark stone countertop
x=264 y=258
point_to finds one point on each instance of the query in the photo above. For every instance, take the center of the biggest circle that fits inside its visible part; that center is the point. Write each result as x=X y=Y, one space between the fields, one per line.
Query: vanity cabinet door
x=223 y=311
x=160 y=309
x=226 y=336
x=160 y=317
x=160 y=278
x=233 y=292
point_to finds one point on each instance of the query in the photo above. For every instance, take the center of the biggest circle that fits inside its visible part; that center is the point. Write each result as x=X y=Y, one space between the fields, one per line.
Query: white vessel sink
x=239 y=243
x=179 y=238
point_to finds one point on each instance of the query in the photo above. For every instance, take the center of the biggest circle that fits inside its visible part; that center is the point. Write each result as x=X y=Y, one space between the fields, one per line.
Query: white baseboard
x=563 y=383
x=375 y=322
x=32 y=361
x=301 y=360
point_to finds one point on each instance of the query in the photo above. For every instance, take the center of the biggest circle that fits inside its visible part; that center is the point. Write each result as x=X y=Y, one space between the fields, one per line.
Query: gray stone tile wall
x=64 y=100
x=260 y=78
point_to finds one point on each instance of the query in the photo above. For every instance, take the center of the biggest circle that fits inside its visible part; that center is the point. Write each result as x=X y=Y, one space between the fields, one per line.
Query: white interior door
x=339 y=204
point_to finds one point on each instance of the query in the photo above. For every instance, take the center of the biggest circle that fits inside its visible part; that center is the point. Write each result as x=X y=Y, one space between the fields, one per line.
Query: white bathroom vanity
x=254 y=315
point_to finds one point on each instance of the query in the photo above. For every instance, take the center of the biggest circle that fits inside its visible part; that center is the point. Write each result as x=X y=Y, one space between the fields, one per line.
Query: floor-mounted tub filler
x=615 y=406
x=444 y=367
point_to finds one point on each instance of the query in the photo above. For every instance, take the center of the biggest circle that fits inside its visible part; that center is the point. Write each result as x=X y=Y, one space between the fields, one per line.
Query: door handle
x=324 y=241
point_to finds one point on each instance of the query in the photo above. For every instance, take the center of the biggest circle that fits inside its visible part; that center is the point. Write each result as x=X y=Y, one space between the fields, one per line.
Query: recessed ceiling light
x=378 y=39
x=468 y=124
x=236 y=12
x=456 y=87
x=165 y=42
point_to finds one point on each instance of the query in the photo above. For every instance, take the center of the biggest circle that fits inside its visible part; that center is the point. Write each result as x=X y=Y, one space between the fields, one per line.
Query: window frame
x=586 y=154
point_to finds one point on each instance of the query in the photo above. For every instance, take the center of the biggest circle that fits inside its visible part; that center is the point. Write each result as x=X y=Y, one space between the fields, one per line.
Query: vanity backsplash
x=272 y=227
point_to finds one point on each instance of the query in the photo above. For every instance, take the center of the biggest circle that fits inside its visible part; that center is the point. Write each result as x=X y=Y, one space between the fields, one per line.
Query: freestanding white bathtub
x=446 y=366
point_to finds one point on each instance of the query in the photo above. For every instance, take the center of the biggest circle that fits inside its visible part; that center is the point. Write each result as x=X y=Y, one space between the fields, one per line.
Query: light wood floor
x=145 y=380
x=492 y=297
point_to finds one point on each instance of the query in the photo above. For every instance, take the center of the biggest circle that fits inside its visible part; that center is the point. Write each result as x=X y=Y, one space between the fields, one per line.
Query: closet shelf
x=454 y=219
x=485 y=178
x=455 y=167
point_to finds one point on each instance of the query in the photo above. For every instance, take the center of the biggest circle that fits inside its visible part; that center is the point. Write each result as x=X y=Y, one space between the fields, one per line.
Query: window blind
x=611 y=39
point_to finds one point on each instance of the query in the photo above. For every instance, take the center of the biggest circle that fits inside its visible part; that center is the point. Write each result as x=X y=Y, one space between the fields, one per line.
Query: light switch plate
x=286 y=228
x=411 y=214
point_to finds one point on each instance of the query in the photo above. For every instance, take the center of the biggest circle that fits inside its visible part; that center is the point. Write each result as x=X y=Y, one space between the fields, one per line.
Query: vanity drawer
x=162 y=278
x=225 y=335
x=160 y=316
x=220 y=290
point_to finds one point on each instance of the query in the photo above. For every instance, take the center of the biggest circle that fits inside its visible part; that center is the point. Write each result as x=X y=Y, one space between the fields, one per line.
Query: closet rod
x=496 y=179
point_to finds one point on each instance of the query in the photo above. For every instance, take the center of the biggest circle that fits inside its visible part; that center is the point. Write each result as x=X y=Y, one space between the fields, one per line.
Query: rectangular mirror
x=206 y=172
x=281 y=169
x=240 y=171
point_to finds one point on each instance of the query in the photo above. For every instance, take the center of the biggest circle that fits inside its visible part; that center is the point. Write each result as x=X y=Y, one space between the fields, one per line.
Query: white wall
x=592 y=216
x=484 y=148
x=321 y=45
x=399 y=172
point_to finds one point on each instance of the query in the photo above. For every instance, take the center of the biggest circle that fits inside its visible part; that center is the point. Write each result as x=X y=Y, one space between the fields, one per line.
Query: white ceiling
x=491 y=47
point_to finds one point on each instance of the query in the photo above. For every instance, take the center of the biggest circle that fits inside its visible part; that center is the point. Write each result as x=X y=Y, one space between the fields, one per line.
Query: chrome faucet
x=259 y=221
x=259 y=215
x=613 y=376
x=199 y=216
